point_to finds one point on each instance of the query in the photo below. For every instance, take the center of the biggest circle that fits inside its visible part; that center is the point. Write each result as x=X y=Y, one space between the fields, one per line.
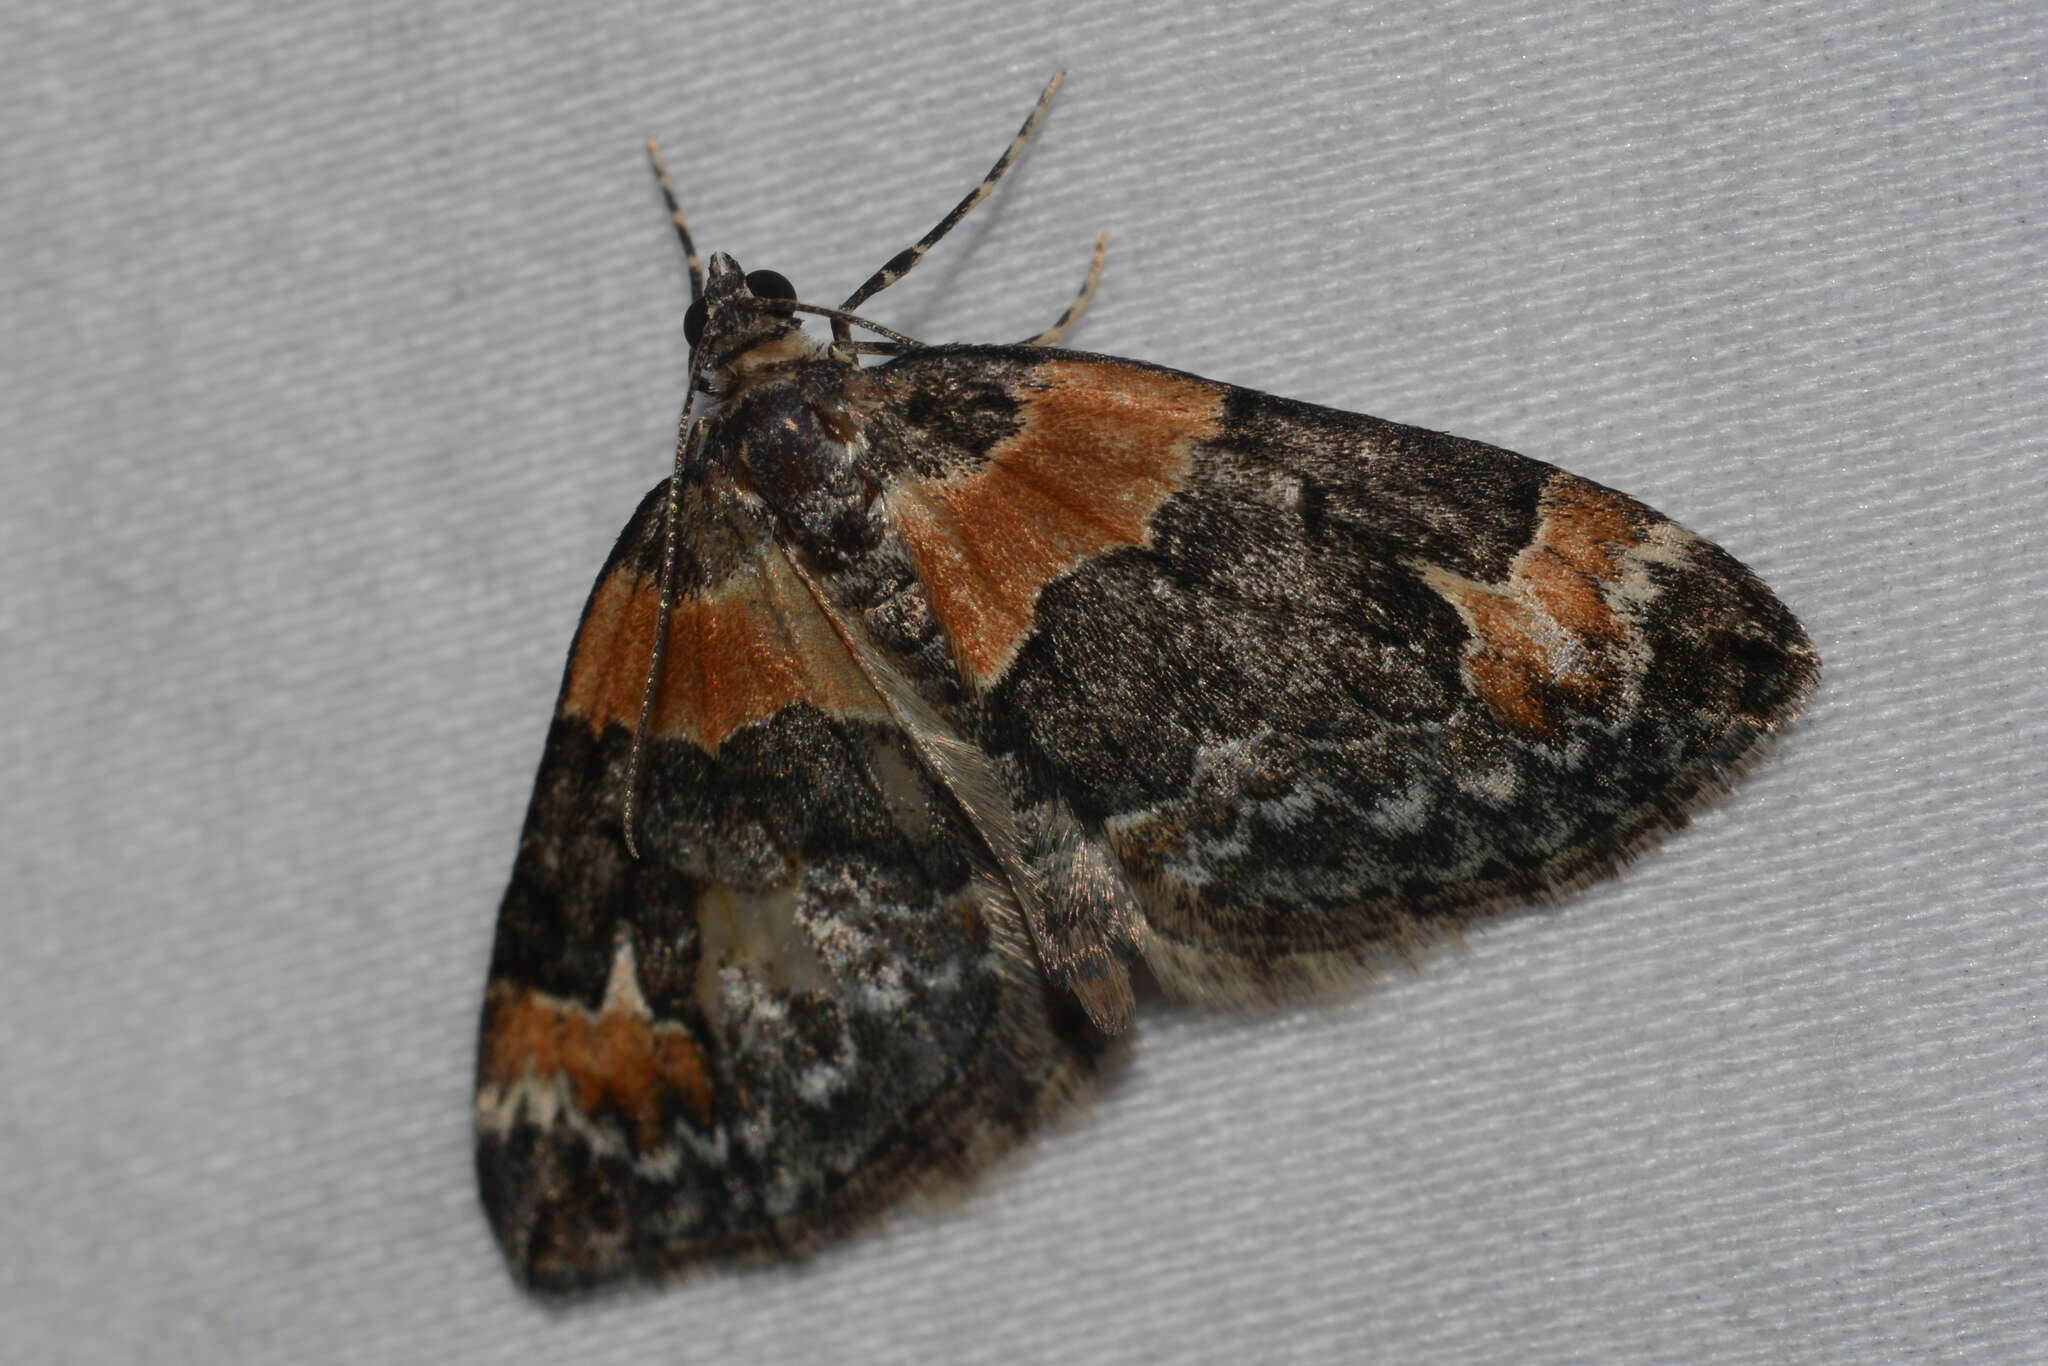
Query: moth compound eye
x=693 y=322
x=770 y=284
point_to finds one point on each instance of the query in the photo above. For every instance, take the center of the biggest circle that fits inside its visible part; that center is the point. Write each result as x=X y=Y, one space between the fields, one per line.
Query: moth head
x=742 y=321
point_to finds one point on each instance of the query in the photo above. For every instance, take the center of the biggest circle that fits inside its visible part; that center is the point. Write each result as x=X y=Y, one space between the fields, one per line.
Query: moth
x=927 y=701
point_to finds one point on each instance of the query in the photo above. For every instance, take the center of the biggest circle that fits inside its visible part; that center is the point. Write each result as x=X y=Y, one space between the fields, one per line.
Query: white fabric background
x=339 y=340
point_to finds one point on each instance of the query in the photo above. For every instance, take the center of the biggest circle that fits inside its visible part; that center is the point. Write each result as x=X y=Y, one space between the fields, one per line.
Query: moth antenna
x=841 y=318
x=900 y=264
x=687 y=440
x=1051 y=335
x=675 y=216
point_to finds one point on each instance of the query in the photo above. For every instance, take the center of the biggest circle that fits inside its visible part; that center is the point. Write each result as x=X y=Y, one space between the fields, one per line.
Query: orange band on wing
x=1102 y=445
x=615 y=1059
x=736 y=655
x=1549 y=629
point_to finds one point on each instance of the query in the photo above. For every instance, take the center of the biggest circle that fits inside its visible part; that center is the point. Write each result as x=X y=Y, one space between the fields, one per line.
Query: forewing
x=1326 y=684
x=810 y=993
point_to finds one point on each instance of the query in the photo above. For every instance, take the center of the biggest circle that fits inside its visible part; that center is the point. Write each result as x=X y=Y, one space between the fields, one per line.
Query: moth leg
x=1051 y=335
x=657 y=654
x=675 y=216
x=901 y=263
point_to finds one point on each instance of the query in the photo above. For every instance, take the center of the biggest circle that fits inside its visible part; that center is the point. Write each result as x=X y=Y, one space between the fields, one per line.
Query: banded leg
x=1051 y=335
x=900 y=264
x=688 y=440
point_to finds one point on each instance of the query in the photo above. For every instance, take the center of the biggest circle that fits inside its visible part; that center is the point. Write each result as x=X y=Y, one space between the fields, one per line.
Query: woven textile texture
x=337 y=341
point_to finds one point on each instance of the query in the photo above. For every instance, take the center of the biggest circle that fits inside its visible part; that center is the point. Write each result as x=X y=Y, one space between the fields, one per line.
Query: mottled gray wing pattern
x=1326 y=685
x=808 y=996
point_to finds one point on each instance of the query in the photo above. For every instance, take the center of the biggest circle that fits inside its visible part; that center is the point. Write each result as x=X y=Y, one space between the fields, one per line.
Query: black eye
x=769 y=284
x=693 y=322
